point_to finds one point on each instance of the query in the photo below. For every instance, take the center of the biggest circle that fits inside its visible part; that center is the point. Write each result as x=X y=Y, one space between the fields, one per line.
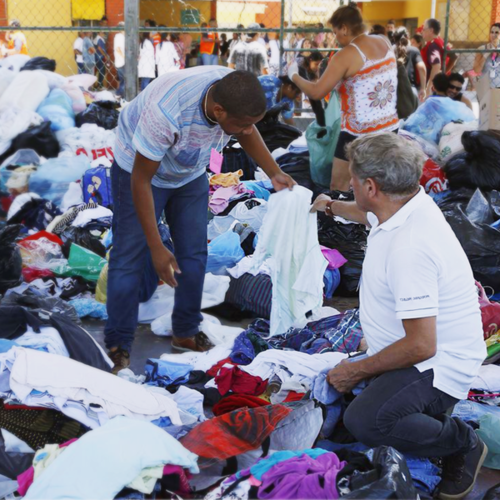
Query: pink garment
x=25 y=480
x=184 y=477
x=334 y=257
x=222 y=196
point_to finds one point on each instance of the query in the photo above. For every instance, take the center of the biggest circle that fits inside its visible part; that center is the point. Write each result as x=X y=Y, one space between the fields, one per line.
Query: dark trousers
x=101 y=71
x=121 y=81
x=81 y=68
x=132 y=278
x=402 y=409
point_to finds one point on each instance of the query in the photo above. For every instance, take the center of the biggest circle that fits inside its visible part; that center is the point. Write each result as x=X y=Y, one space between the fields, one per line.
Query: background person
x=88 y=54
x=366 y=70
x=119 y=56
x=167 y=58
x=378 y=29
x=280 y=90
x=250 y=55
x=417 y=41
x=147 y=62
x=78 y=51
x=455 y=89
x=16 y=43
x=488 y=64
x=419 y=313
x=209 y=46
x=101 y=58
x=224 y=49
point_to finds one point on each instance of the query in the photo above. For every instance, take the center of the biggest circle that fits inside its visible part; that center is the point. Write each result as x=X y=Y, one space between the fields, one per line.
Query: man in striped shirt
x=164 y=141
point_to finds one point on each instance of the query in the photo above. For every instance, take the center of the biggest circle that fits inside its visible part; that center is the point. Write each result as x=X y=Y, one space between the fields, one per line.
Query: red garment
x=184 y=477
x=293 y=396
x=215 y=369
x=430 y=59
x=37 y=236
x=240 y=382
x=32 y=273
x=234 y=433
x=236 y=402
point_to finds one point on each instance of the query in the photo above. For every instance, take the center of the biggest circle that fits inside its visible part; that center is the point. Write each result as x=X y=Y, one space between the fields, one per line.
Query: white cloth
x=488 y=378
x=94 y=466
x=162 y=302
x=147 y=63
x=72 y=197
x=246 y=265
x=19 y=202
x=274 y=48
x=202 y=360
x=15 y=445
x=289 y=239
x=91 y=214
x=15 y=121
x=167 y=58
x=26 y=91
x=88 y=395
x=254 y=217
x=78 y=45
x=190 y=401
x=89 y=140
x=119 y=50
x=415 y=268
x=48 y=340
x=292 y=365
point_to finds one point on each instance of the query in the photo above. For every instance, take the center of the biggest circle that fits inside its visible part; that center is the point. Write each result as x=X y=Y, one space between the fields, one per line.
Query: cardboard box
x=489 y=111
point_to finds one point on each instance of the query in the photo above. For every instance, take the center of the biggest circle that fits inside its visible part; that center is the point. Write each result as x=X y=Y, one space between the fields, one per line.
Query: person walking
x=78 y=51
x=101 y=58
x=487 y=65
x=88 y=54
x=209 y=46
x=365 y=72
x=164 y=141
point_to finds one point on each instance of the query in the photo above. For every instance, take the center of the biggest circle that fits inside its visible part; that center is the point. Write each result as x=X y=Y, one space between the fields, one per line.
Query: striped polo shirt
x=166 y=123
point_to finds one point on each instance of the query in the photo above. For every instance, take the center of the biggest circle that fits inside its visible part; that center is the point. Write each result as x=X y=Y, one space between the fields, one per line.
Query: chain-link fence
x=470 y=33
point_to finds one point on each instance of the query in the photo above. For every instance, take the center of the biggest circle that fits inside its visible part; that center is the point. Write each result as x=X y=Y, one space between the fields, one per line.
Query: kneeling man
x=419 y=312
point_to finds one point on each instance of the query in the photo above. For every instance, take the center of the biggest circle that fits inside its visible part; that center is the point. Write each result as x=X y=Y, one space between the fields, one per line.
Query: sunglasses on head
x=495 y=32
x=454 y=87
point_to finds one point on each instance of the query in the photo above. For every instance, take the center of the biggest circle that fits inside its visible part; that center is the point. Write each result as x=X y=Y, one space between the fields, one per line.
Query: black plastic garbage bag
x=296 y=165
x=41 y=139
x=480 y=241
x=12 y=464
x=235 y=158
x=390 y=479
x=350 y=240
x=40 y=63
x=82 y=237
x=103 y=113
x=493 y=493
x=478 y=167
x=37 y=213
x=11 y=262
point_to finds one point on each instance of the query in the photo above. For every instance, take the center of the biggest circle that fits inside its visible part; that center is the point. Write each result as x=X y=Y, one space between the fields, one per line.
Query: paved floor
x=148 y=345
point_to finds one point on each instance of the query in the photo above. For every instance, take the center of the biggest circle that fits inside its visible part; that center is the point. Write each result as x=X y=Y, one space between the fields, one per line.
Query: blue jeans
x=144 y=82
x=131 y=276
x=403 y=409
x=209 y=60
x=101 y=71
x=121 y=81
x=80 y=67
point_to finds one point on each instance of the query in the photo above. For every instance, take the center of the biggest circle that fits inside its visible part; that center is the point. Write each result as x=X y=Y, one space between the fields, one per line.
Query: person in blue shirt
x=278 y=90
x=164 y=143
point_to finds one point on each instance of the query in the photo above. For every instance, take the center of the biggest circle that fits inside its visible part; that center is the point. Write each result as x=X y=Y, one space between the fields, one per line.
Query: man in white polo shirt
x=419 y=312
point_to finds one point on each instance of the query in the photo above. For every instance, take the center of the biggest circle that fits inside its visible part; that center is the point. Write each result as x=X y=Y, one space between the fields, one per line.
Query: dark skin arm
x=142 y=194
x=418 y=345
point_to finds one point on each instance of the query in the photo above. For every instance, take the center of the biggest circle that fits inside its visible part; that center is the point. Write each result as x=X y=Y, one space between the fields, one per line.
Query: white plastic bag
x=15 y=121
x=6 y=78
x=450 y=143
x=14 y=63
x=89 y=140
x=83 y=81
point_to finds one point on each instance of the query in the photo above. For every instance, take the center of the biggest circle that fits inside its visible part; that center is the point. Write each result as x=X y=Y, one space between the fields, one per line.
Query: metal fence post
x=282 y=35
x=446 y=33
x=131 y=47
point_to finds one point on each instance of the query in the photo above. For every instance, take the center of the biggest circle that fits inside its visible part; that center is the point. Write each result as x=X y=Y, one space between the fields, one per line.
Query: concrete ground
x=148 y=345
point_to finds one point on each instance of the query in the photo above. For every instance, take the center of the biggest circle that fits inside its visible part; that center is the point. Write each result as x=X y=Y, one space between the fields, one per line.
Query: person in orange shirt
x=17 y=43
x=209 y=46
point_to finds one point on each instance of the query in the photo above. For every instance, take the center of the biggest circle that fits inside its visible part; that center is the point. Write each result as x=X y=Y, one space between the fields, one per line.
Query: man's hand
x=166 y=266
x=282 y=181
x=343 y=377
x=320 y=203
x=293 y=69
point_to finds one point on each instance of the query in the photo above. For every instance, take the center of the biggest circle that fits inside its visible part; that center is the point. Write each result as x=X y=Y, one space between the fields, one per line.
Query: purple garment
x=302 y=477
x=334 y=257
x=223 y=195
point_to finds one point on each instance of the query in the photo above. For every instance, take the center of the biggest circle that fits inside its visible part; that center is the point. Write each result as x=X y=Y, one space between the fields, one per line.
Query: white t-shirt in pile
x=415 y=267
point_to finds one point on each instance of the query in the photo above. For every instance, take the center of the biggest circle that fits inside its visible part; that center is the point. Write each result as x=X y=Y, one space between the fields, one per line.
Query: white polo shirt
x=415 y=267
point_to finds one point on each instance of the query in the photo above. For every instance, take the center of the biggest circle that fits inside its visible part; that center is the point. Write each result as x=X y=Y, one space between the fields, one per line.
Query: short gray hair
x=394 y=163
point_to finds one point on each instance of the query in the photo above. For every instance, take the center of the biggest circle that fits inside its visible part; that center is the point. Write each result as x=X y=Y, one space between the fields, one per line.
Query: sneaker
x=120 y=358
x=199 y=343
x=460 y=472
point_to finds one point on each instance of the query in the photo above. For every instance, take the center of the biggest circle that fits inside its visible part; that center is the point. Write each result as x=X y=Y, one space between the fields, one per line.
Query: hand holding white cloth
x=293 y=69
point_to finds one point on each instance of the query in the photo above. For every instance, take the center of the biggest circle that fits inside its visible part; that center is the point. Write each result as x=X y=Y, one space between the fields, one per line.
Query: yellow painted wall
x=169 y=13
x=52 y=44
x=480 y=18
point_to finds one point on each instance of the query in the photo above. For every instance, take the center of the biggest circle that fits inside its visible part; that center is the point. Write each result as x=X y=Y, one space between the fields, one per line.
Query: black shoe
x=120 y=358
x=460 y=472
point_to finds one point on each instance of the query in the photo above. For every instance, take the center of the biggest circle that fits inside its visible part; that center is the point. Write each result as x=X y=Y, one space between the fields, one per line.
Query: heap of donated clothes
x=255 y=416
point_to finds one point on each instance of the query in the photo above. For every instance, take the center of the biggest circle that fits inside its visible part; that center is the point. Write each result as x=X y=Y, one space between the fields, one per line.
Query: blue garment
x=243 y=352
x=331 y=446
x=81 y=67
x=166 y=123
x=272 y=86
x=332 y=418
x=94 y=466
x=132 y=277
x=164 y=373
x=210 y=59
x=331 y=280
x=224 y=252
x=424 y=473
x=144 y=82
x=470 y=411
x=89 y=308
x=258 y=188
x=7 y=345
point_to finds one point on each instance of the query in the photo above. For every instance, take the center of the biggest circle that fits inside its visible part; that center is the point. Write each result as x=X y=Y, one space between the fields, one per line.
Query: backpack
x=407 y=102
x=96 y=185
